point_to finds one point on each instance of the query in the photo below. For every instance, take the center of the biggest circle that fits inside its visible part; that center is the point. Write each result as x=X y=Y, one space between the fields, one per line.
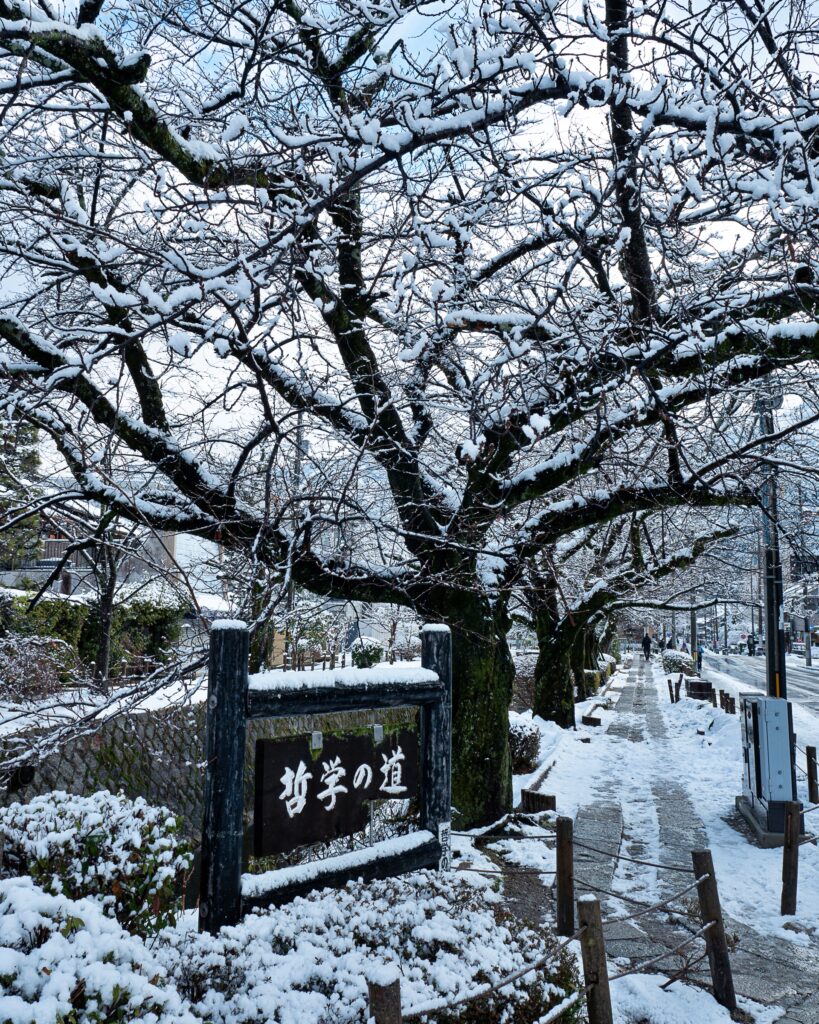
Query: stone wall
x=159 y=755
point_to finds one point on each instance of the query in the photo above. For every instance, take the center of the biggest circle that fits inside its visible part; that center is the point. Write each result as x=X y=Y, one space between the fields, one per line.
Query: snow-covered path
x=666 y=776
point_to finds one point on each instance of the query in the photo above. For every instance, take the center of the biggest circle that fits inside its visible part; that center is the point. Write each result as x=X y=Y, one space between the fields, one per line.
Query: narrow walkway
x=766 y=969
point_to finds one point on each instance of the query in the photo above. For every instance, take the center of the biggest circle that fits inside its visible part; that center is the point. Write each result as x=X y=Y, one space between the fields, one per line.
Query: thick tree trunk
x=482 y=674
x=554 y=684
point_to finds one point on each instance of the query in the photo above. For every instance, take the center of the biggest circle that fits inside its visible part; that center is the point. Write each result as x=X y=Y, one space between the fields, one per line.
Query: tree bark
x=554 y=682
x=482 y=674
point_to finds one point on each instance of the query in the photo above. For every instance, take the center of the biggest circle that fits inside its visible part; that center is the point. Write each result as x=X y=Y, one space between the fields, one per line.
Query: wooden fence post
x=813 y=784
x=532 y=802
x=670 y=691
x=220 y=896
x=595 y=969
x=677 y=686
x=565 y=876
x=716 y=945
x=385 y=1002
x=436 y=743
x=790 y=857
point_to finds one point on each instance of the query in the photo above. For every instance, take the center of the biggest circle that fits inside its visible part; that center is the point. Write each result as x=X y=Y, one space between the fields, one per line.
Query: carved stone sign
x=305 y=795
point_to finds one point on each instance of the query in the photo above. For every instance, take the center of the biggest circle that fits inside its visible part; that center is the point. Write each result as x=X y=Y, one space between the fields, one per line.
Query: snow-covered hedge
x=125 y=853
x=65 y=961
x=524 y=743
x=366 y=652
x=677 y=661
x=306 y=963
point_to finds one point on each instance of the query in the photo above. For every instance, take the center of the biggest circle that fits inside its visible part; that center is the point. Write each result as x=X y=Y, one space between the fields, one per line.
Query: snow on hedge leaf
x=305 y=963
x=125 y=853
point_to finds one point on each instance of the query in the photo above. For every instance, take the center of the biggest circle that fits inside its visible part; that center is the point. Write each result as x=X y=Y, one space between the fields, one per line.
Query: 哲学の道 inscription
x=304 y=795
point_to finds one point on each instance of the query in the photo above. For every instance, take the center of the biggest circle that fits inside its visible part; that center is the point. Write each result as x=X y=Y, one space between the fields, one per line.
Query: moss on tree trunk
x=554 y=683
x=482 y=674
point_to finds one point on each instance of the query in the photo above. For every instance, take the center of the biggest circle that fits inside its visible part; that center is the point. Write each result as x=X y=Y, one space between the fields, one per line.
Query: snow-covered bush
x=33 y=666
x=64 y=960
x=125 y=853
x=308 y=962
x=524 y=743
x=366 y=652
x=677 y=661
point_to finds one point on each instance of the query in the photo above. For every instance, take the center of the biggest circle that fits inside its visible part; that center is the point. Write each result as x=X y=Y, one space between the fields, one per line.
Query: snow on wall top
x=229 y=624
x=267 y=881
x=435 y=627
x=369 y=678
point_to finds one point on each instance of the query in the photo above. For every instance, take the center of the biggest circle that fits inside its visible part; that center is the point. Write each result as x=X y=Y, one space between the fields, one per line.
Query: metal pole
x=774 y=597
x=694 y=634
x=725 y=627
x=674 y=629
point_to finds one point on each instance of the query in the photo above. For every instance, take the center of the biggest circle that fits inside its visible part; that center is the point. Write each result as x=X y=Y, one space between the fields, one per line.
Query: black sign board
x=305 y=795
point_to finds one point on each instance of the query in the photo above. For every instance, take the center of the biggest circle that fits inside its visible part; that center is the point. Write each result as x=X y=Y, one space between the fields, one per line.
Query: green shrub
x=56 y=617
x=366 y=652
x=125 y=853
x=677 y=661
x=146 y=624
x=524 y=743
x=308 y=961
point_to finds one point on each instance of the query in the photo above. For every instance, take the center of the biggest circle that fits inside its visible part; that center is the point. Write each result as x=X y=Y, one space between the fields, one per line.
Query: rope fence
x=385 y=1000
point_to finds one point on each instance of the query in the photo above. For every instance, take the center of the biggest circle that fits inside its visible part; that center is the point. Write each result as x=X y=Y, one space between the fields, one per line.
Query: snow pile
x=125 y=853
x=638 y=999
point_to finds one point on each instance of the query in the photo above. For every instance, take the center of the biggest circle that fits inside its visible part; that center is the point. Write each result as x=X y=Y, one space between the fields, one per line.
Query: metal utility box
x=769 y=778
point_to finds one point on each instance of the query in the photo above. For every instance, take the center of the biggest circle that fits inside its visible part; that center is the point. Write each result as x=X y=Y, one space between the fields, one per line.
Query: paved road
x=803 y=683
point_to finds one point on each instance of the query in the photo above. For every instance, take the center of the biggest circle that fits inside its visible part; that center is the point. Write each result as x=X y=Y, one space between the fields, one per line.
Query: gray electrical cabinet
x=769 y=779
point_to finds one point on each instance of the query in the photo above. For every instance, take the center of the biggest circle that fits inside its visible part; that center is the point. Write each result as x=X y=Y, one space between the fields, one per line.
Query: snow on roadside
x=639 y=997
x=709 y=768
x=554 y=740
x=805 y=721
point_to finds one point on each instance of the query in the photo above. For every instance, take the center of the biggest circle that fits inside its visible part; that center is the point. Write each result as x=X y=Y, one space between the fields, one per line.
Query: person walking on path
x=647 y=646
x=700 y=652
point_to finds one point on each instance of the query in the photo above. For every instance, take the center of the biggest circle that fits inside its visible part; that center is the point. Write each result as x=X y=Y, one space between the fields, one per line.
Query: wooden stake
x=595 y=969
x=565 y=876
x=532 y=802
x=790 y=857
x=670 y=691
x=385 y=1002
x=716 y=944
x=813 y=785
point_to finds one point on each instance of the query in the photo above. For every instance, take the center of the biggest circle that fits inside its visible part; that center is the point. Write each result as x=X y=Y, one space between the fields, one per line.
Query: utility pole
x=803 y=553
x=774 y=597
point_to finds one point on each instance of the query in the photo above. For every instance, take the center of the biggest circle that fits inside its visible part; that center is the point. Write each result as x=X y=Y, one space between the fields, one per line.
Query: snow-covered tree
x=509 y=271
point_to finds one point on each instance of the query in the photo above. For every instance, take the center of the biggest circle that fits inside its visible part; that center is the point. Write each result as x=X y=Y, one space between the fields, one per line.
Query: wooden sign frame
x=225 y=895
